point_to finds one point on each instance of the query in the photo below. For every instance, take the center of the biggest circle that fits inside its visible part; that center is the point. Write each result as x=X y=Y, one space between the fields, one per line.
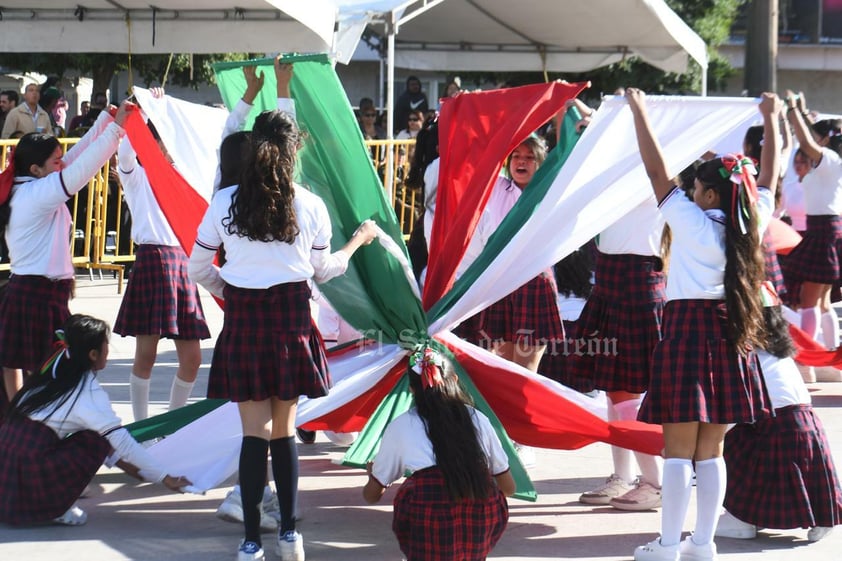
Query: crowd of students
x=704 y=343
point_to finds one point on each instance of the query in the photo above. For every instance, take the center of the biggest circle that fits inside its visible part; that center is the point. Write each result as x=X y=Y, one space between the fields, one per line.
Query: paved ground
x=131 y=521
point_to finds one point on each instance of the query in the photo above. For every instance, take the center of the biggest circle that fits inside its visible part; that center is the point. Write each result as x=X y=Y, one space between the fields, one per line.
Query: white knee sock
x=830 y=329
x=621 y=456
x=675 y=498
x=810 y=321
x=179 y=392
x=139 y=392
x=650 y=467
x=711 y=480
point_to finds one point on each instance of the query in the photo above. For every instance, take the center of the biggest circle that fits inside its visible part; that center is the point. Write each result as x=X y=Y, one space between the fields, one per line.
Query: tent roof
x=554 y=35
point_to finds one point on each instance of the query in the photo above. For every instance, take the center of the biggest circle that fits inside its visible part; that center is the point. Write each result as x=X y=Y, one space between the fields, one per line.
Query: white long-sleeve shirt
x=38 y=233
x=91 y=410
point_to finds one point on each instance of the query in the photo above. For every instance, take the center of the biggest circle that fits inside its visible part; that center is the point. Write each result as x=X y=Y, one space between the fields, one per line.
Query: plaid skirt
x=555 y=363
x=817 y=258
x=781 y=473
x=31 y=309
x=41 y=475
x=527 y=316
x=268 y=347
x=160 y=298
x=621 y=323
x=698 y=375
x=430 y=526
x=774 y=273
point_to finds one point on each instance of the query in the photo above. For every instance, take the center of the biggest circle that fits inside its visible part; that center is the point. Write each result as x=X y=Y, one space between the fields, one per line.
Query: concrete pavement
x=144 y=522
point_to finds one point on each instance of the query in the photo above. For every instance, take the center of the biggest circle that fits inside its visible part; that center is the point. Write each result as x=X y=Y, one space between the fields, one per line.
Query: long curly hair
x=744 y=267
x=262 y=209
x=451 y=430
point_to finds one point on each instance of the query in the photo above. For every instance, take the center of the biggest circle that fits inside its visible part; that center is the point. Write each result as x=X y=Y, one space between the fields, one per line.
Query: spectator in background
x=368 y=125
x=8 y=100
x=366 y=104
x=49 y=102
x=412 y=99
x=28 y=116
x=77 y=121
x=413 y=125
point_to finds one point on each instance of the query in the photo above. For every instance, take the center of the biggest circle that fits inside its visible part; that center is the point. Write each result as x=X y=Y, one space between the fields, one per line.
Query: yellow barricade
x=101 y=232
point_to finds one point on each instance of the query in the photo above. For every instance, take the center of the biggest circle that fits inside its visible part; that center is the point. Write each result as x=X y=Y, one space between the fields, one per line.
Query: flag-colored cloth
x=477 y=131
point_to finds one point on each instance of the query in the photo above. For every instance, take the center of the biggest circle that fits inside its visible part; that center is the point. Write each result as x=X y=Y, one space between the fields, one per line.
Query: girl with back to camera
x=453 y=506
x=705 y=373
x=59 y=430
x=33 y=192
x=277 y=237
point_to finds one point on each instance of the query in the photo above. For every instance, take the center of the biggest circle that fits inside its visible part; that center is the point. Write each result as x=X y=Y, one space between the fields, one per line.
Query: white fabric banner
x=602 y=180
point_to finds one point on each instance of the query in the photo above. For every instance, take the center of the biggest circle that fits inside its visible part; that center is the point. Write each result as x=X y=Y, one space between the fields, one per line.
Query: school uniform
x=527 y=316
x=269 y=345
x=35 y=302
x=428 y=523
x=160 y=298
x=697 y=372
x=622 y=317
x=51 y=455
x=780 y=469
x=817 y=258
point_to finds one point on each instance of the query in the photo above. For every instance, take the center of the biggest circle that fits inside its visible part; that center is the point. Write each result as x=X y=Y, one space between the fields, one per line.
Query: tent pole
x=391 y=29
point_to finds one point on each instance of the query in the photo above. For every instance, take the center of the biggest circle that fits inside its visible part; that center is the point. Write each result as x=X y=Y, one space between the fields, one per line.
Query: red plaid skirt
x=555 y=364
x=698 y=375
x=430 y=526
x=41 y=476
x=781 y=472
x=268 y=347
x=817 y=257
x=160 y=299
x=527 y=316
x=623 y=314
x=31 y=309
x=774 y=273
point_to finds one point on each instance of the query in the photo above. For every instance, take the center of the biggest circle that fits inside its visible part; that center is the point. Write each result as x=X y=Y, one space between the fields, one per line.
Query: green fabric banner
x=334 y=163
x=169 y=422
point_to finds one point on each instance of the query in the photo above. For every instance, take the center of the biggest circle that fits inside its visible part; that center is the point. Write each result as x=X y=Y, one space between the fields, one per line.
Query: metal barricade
x=101 y=231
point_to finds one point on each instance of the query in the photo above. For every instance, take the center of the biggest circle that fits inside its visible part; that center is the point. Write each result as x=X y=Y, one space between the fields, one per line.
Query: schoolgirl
x=277 y=237
x=706 y=377
x=626 y=305
x=160 y=299
x=33 y=192
x=453 y=506
x=59 y=430
x=816 y=260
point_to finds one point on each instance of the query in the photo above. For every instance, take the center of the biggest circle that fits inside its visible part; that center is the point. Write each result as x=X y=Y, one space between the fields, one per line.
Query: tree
x=184 y=69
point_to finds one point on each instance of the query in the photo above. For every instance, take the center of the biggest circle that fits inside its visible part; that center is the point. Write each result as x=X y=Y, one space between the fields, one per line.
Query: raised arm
x=802 y=131
x=650 y=149
x=770 y=156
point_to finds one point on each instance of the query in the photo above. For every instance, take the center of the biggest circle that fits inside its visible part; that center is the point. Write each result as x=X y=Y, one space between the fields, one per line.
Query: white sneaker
x=614 y=486
x=654 y=551
x=691 y=551
x=729 y=526
x=291 y=546
x=231 y=510
x=75 y=516
x=644 y=496
x=250 y=551
x=816 y=533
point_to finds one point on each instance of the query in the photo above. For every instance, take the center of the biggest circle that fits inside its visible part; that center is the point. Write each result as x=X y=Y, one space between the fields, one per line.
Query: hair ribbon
x=741 y=171
x=61 y=350
x=429 y=365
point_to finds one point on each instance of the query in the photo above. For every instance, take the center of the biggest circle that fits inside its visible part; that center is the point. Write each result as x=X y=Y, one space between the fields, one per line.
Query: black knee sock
x=285 y=471
x=252 y=481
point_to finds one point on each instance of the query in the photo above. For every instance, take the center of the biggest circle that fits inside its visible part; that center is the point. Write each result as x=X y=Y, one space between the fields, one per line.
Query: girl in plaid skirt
x=59 y=430
x=33 y=191
x=705 y=373
x=453 y=506
x=817 y=260
x=277 y=238
x=160 y=299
